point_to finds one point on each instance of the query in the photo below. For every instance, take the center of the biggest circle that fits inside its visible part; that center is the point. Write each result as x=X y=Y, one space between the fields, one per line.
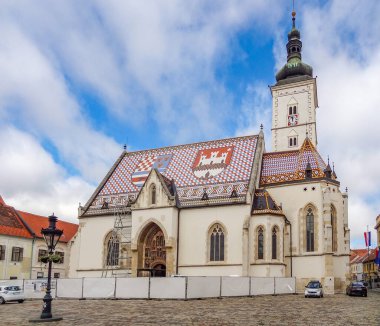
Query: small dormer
x=157 y=191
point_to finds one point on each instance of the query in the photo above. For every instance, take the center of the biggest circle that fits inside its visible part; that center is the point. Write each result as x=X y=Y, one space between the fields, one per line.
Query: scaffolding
x=117 y=260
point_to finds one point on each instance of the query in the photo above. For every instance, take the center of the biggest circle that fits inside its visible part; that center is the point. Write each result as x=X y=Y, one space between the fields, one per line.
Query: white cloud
x=346 y=58
x=33 y=182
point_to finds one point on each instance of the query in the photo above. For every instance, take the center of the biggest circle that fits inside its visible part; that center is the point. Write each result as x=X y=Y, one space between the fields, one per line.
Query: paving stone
x=261 y=310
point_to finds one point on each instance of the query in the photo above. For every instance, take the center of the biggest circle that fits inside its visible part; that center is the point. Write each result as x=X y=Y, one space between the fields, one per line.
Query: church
x=225 y=207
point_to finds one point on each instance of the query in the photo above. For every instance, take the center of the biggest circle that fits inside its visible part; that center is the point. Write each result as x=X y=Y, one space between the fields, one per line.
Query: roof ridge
x=188 y=144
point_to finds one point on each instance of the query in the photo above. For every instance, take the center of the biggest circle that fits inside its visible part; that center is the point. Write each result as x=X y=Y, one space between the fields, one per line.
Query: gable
x=11 y=224
x=162 y=195
x=217 y=167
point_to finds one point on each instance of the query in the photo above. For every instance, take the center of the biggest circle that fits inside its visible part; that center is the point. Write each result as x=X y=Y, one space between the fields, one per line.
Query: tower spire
x=294 y=66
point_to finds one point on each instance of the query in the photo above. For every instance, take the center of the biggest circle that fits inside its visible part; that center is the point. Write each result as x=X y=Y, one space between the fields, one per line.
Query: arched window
x=217 y=243
x=291 y=142
x=334 y=230
x=153 y=194
x=290 y=110
x=113 y=250
x=260 y=243
x=309 y=230
x=274 y=243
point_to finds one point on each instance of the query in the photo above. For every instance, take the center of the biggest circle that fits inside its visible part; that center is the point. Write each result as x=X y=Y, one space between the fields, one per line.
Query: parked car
x=314 y=289
x=356 y=288
x=11 y=293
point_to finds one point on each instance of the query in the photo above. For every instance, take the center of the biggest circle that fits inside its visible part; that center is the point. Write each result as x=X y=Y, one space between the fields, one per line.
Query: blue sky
x=80 y=80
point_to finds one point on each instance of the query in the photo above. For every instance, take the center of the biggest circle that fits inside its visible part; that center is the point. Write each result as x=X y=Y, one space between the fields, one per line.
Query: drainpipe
x=31 y=256
x=291 y=245
x=179 y=214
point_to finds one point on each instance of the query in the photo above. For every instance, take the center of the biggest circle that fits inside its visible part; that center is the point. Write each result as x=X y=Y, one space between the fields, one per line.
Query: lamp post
x=51 y=236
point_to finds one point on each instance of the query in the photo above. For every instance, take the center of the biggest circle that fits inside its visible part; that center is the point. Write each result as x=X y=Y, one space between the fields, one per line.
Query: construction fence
x=184 y=287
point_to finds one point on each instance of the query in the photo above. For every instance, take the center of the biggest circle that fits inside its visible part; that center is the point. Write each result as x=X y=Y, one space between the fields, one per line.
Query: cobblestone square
x=261 y=310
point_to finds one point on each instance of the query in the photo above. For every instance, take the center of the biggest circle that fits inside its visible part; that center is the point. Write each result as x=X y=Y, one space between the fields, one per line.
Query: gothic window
x=217 y=243
x=260 y=243
x=274 y=242
x=153 y=194
x=309 y=230
x=113 y=251
x=334 y=239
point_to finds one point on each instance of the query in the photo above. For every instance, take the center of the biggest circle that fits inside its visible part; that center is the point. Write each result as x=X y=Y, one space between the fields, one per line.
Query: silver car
x=11 y=293
x=314 y=289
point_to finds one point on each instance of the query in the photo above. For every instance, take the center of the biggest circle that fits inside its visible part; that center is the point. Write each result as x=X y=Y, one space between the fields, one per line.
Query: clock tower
x=294 y=99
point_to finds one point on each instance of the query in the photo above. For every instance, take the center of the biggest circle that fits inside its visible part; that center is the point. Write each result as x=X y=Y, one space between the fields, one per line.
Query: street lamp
x=51 y=236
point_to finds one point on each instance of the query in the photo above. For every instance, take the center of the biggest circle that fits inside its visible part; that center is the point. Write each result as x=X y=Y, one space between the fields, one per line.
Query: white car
x=11 y=293
x=314 y=289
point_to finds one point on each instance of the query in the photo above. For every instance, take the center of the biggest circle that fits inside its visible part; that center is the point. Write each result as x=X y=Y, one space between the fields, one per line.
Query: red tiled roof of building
x=37 y=222
x=357 y=255
x=279 y=167
x=10 y=222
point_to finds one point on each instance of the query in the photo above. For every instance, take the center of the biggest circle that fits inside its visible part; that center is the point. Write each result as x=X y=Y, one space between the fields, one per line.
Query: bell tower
x=294 y=98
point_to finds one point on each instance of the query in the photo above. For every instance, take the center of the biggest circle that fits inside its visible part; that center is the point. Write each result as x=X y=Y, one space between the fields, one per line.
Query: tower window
x=293 y=141
x=292 y=110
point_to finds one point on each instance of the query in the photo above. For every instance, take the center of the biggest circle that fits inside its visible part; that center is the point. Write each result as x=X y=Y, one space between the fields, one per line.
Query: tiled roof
x=279 y=167
x=357 y=255
x=10 y=222
x=217 y=167
x=264 y=204
x=37 y=222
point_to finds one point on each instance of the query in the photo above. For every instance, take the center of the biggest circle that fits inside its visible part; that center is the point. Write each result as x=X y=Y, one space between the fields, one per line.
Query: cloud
x=32 y=181
x=346 y=59
x=35 y=96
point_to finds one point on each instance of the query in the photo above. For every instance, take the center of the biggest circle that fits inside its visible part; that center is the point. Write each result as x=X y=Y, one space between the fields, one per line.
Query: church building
x=225 y=207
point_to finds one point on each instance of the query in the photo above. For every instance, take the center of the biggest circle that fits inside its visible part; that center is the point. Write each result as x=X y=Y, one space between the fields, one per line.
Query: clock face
x=292 y=119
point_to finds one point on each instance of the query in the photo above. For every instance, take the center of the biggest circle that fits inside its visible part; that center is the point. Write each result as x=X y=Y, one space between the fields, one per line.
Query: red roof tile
x=10 y=222
x=37 y=222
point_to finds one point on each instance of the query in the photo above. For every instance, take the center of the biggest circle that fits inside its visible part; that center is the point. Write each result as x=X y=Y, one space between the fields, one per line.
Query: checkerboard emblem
x=211 y=162
x=148 y=163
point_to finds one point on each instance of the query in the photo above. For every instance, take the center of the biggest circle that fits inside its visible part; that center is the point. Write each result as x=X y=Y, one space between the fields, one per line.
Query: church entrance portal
x=152 y=252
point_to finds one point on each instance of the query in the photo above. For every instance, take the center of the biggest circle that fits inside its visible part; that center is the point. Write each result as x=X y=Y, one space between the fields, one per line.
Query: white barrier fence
x=186 y=287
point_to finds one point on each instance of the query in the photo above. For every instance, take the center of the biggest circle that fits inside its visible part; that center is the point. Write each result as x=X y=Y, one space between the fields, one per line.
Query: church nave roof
x=222 y=169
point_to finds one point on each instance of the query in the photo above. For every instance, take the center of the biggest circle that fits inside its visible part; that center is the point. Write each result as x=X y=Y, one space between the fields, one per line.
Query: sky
x=79 y=79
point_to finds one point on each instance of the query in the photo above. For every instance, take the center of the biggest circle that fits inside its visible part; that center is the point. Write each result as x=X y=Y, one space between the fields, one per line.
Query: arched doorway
x=152 y=252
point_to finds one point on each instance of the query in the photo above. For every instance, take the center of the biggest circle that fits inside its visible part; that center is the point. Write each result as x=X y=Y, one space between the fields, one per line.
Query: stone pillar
x=246 y=251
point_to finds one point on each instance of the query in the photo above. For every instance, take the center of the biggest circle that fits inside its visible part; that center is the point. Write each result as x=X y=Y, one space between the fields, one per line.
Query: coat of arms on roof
x=148 y=163
x=211 y=162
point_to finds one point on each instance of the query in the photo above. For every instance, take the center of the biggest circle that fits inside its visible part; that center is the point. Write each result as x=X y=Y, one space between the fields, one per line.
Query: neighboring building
x=16 y=244
x=226 y=207
x=36 y=223
x=356 y=263
x=22 y=245
x=370 y=269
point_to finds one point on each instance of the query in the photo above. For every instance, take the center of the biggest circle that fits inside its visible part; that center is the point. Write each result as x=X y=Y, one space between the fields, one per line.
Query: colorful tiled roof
x=217 y=167
x=37 y=222
x=10 y=222
x=279 y=167
x=263 y=203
